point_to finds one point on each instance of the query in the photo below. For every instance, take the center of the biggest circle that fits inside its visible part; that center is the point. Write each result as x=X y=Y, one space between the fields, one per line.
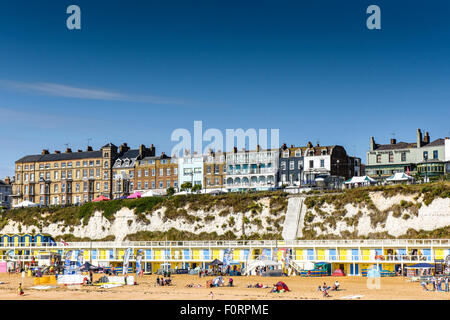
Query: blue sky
x=137 y=70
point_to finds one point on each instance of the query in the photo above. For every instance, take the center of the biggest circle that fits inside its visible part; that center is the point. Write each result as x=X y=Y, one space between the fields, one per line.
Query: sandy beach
x=301 y=288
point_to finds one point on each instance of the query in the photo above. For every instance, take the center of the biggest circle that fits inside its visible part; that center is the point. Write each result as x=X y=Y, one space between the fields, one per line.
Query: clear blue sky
x=140 y=69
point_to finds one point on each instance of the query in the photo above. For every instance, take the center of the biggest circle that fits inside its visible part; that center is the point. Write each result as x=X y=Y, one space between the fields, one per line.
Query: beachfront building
x=252 y=170
x=328 y=164
x=156 y=173
x=423 y=157
x=352 y=256
x=124 y=168
x=5 y=192
x=63 y=178
x=214 y=170
x=291 y=166
x=190 y=169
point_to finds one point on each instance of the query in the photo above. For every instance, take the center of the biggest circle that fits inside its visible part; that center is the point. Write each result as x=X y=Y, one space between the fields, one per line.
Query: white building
x=252 y=170
x=447 y=154
x=190 y=169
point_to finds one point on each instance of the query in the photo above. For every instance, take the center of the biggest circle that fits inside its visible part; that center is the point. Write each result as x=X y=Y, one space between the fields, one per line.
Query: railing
x=351 y=243
x=181 y=257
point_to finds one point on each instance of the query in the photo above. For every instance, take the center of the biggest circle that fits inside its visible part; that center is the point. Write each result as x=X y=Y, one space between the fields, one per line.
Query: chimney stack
x=79 y=150
x=372 y=143
x=152 y=150
x=234 y=149
x=123 y=148
x=258 y=147
x=68 y=150
x=393 y=141
x=7 y=180
x=57 y=152
x=284 y=146
x=419 y=138
x=426 y=139
x=142 y=150
x=45 y=151
x=89 y=148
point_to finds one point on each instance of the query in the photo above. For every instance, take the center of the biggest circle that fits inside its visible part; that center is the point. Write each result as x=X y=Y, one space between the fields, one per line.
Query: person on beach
x=20 y=290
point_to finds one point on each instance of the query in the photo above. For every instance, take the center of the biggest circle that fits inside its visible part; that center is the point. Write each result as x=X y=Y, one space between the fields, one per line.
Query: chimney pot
x=393 y=141
x=89 y=148
x=57 y=151
x=68 y=150
x=45 y=151
x=79 y=150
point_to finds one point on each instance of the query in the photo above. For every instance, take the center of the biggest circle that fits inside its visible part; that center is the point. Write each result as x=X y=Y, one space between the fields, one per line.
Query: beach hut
x=39 y=239
x=5 y=240
x=27 y=239
x=16 y=239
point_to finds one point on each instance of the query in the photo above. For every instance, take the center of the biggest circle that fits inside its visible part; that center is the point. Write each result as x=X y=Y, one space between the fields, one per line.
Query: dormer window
x=324 y=152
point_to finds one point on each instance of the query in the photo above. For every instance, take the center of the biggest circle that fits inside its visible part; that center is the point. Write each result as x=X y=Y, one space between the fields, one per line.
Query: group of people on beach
x=325 y=288
x=438 y=282
x=163 y=281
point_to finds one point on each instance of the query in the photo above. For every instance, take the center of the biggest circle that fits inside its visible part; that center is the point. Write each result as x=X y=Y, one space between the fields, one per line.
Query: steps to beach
x=292 y=219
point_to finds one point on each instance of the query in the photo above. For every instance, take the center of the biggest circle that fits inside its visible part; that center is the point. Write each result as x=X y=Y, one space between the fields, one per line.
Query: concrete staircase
x=293 y=218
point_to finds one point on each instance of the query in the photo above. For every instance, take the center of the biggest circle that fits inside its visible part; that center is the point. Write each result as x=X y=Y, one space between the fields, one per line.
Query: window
x=403 y=156
x=378 y=158
x=161 y=172
x=168 y=184
x=322 y=163
x=97 y=162
x=168 y=172
x=311 y=163
x=84 y=173
x=97 y=173
x=145 y=172
x=208 y=169
x=435 y=154
x=105 y=186
x=91 y=163
x=85 y=163
x=153 y=184
x=298 y=153
x=106 y=155
x=56 y=175
x=391 y=157
x=63 y=165
x=106 y=164
x=153 y=172
x=283 y=165
x=291 y=165
x=97 y=186
x=105 y=175
x=161 y=184
x=139 y=173
x=139 y=185
x=146 y=185
x=425 y=155
x=85 y=186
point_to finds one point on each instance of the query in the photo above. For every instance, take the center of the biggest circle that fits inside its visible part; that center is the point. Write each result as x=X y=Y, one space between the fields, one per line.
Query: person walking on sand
x=20 y=290
x=211 y=295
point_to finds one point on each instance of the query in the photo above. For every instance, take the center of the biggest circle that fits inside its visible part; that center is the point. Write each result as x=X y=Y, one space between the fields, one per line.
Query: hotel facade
x=424 y=157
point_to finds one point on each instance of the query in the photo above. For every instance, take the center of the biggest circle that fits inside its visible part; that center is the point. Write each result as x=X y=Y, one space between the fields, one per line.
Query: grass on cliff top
x=76 y=215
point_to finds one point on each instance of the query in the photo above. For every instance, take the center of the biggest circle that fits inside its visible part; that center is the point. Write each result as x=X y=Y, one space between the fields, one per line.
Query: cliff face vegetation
x=372 y=212
x=194 y=216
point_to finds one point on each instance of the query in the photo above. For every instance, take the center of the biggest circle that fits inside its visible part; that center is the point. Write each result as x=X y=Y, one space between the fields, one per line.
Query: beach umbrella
x=101 y=198
x=134 y=195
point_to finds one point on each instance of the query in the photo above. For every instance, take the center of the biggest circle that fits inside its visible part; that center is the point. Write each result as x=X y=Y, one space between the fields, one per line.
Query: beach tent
x=419 y=269
x=360 y=181
x=399 y=177
x=87 y=267
x=26 y=204
x=101 y=198
x=135 y=195
x=216 y=262
x=338 y=273
x=281 y=285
